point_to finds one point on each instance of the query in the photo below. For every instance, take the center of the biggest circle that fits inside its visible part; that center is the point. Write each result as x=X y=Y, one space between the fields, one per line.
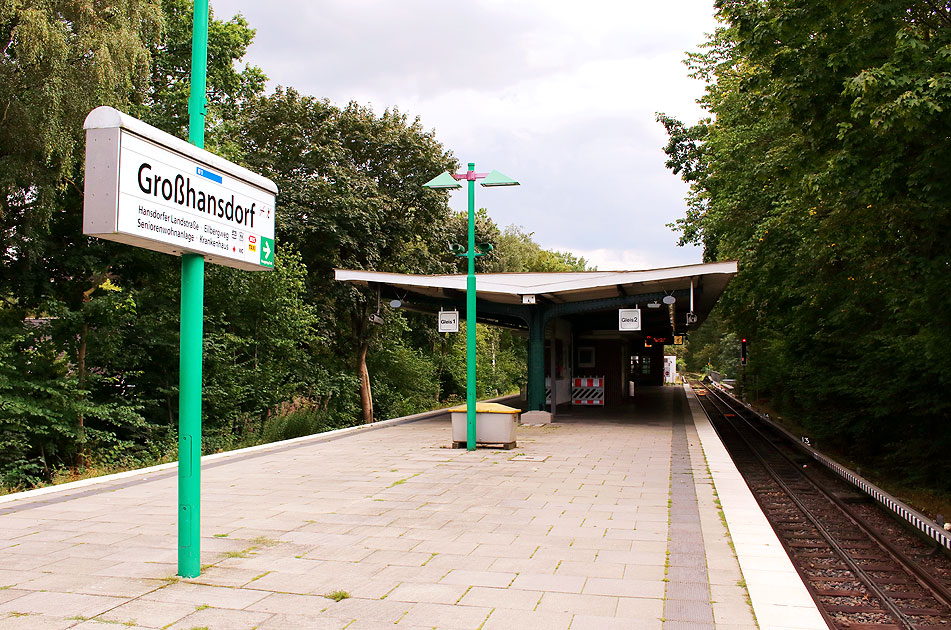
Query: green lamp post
x=446 y=181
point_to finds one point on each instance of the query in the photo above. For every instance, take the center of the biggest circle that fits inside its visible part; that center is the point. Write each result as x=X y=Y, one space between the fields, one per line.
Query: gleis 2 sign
x=147 y=188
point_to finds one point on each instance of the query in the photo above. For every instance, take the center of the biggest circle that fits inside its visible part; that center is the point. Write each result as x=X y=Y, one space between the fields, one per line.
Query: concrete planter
x=495 y=424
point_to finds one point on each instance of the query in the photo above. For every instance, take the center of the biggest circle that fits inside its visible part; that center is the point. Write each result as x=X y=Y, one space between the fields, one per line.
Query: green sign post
x=206 y=209
x=445 y=181
x=190 y=352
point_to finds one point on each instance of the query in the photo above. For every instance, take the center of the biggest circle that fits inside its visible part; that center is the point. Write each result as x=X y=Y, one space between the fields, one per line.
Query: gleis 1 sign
x=147 y=188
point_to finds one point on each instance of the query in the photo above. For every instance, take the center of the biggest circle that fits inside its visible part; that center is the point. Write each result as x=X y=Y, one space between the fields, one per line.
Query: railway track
x=863 y=568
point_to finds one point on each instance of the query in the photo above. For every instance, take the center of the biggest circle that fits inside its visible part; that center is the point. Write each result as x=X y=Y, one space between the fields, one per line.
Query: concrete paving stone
x=282 y=582
x=601 y=544
x=449 y=561
x=591 y=622
x=61 y=604
x=44 y=535
x=505 y=551
x=310 y=622
x=147 y=613
x=201 y=595
x=379 y=610
x=442 y=546
x=624 y=587
x=507 y=619
x=487 y=538
x=522 y=565
x=79 y=566
x=446 y=616
x=574 y=603
x=549 y=582
x=732 y=612
x=225 y=576
x=637 y=557
x=90 y=585
x=469 y=578
x=427 y=593
x=221 y=619
x=8 y=594
x=341 y=553
x=34 y=622
x=421 y=575
x=89 y=550
x=564 y=554
x=95 y=624
x=392 y=544
x=36 y=548
x=258 y=564
x=501 y=598
x=640 y=608
x=591 y=569
x=143 y=570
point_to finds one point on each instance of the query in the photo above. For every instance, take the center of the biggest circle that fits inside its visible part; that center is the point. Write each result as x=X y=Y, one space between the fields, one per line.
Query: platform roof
x=709 y=280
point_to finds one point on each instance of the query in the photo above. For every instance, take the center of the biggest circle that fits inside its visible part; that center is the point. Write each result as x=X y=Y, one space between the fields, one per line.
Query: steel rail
x=925 y=579
x=915 y=519
x=883 y=598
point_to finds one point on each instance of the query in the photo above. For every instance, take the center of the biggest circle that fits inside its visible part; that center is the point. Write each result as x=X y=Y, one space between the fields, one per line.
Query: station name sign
x=448 y=321
x=629 y=319
x=149 y=189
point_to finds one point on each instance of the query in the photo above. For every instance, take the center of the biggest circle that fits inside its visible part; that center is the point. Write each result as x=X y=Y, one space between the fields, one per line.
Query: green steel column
x=189 y=417
x=471 y=324
x=190 y=352
x=535 y=396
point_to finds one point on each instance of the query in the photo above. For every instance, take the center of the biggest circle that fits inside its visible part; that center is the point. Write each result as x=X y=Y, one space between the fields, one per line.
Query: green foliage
x=89 y=329
x=61 y=58
x=822 y=171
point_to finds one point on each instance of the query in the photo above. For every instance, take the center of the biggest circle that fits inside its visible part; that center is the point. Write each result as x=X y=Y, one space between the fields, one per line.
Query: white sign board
x=629 y=319
x=147 y=188
x=449 y=321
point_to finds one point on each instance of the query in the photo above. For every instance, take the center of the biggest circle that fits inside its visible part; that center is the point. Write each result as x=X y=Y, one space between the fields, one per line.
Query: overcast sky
x=559 y=95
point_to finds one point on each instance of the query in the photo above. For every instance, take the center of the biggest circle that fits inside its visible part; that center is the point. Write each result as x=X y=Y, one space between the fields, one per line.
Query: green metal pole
x=535 y=396
x=471 y=324
x=190 y=353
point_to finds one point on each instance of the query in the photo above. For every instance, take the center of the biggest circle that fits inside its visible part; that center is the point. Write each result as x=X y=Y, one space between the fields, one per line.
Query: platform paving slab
x=418 y=534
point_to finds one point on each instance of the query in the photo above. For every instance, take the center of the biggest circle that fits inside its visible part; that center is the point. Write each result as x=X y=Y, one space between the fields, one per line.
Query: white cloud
x=556 y=94
x=631 y=259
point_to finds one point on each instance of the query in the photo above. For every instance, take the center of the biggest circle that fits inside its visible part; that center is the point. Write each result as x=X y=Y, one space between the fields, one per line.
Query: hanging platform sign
x=629 y=319
x=149 y=189
x=449 y=321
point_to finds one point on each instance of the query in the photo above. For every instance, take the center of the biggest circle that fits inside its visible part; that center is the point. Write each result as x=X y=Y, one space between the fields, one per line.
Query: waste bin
x=495 y=424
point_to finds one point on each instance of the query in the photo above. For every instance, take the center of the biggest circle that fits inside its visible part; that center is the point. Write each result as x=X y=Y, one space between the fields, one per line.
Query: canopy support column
x=535 y=395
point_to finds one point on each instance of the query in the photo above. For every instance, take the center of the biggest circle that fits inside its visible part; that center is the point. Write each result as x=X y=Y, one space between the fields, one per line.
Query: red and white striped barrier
x=587 y=391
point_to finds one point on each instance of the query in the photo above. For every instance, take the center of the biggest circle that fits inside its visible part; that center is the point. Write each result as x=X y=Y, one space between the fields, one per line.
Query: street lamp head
x=496 y=178
x=442 y=181
x=485 y=248
x=457 y=249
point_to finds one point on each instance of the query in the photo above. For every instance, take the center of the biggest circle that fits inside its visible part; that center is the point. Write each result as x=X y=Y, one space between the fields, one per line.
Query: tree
x=821 y=171
x=351 y=197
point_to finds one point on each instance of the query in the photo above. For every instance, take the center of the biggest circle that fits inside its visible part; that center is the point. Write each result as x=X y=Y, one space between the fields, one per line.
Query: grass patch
x=402 y=481
x=337 y=595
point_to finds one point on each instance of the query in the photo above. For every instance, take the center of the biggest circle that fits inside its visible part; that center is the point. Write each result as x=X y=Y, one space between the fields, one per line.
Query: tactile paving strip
x=687 y=598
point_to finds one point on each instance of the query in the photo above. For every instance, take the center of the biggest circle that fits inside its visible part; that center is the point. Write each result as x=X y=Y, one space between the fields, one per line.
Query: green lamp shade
x=496 y=178
x=443 y=180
